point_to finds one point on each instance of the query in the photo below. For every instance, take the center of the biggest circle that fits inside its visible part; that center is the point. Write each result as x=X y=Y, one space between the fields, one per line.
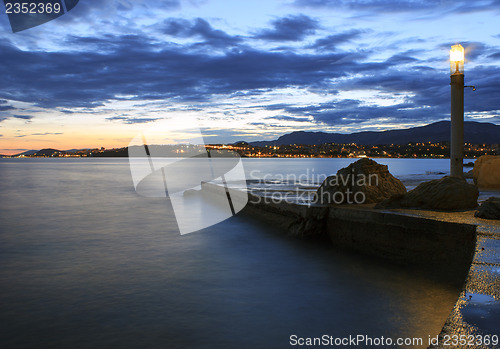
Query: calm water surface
x=86 y=263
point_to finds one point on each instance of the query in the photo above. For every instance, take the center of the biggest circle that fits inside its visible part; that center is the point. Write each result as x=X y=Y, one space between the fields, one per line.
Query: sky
x=245 y=70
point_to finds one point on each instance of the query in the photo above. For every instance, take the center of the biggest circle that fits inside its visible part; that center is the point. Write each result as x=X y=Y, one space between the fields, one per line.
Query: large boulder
x=490 y=209
x=447 y=193
x=362 y=182
x=487 y=172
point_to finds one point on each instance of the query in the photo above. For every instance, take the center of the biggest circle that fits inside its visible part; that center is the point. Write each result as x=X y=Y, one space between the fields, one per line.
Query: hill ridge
x=475 y=132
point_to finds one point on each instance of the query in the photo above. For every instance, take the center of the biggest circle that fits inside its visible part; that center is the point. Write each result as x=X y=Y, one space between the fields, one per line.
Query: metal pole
x=457 y=125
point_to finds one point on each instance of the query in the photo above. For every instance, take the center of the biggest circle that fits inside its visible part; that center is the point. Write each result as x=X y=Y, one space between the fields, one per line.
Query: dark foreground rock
x=362 y=182
x=447 y=193
x=490 y=209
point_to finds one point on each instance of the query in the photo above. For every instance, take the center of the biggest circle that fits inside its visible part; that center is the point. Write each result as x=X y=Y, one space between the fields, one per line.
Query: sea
x=85 y=262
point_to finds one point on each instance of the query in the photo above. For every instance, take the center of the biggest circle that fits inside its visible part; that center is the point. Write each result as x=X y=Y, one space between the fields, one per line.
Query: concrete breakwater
x=447 y=248
x=454 y=247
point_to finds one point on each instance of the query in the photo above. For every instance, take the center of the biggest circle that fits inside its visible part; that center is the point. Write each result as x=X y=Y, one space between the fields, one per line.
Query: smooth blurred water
x=87 y=263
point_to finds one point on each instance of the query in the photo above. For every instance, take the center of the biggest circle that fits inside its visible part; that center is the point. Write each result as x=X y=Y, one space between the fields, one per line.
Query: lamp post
x=457 y=111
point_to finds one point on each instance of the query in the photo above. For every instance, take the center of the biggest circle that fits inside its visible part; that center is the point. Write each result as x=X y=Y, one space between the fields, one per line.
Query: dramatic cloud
x=352 y=111
x=326 y=62
x=136 y=67
x=289 y=118
x=13 y=116
x=15 y=149
x=40 y=134
x=291 y=28
x=388 y=6
x=494 y=55
x=23 y=117
x=96 y=9
x=199 y=28
x=6 y=107
x=131 y=120
x=331 y=42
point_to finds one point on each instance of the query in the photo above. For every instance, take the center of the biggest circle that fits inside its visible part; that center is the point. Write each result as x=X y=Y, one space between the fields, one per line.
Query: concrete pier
x=397 y=237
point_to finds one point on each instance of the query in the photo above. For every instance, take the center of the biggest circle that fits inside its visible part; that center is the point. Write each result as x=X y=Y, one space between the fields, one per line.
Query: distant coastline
x=429 y=141
x=243 y=149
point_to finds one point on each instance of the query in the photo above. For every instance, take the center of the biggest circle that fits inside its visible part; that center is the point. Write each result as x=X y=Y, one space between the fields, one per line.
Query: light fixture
x=457 y=57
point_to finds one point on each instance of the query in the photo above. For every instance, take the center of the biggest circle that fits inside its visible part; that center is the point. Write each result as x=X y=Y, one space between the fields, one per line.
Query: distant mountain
x=48 y=152
x=42 y=152
x=75 y=150
x=26 y=153
x=475 y=132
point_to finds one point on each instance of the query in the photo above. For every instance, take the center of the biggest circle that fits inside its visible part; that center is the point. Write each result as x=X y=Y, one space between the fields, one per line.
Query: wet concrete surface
x=476 y=314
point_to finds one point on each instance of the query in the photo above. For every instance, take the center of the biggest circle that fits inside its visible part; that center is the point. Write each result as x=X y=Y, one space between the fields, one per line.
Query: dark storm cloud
x=288 y=118
x=351 y=112
x=133 y=66
x=402 y=58
x=277 y=106
x=89 y=8
x=290 y=28
x=108 y=44
x=474 y=50
x=495 y=55
x=263 y=125
x=425 y=94
x=23 y=117
x=15 y=149
x=394 y=6
x=40 y=134
x=131 y=120
x=127 y=5
x=427 y=99
x=111 y=67
x=332 y=41
x=198 y=28
x=381 y=5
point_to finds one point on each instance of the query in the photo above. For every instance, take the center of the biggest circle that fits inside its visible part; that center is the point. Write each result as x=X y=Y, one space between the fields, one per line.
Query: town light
x=457 y=57
x=457 y=111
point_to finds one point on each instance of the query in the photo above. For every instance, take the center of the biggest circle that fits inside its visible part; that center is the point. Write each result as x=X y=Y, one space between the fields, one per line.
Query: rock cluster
x=362 y=182
x=487 y=172
x=447 y=193
x=469 y=174
x=490 y=209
